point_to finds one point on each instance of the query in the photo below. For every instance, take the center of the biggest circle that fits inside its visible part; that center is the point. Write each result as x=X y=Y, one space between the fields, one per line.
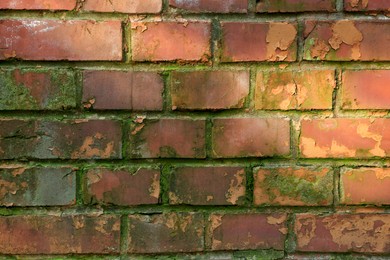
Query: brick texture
x=367 y=5
x=227 y=6
x=38 y=4
x=292 y=6
x=123 y=6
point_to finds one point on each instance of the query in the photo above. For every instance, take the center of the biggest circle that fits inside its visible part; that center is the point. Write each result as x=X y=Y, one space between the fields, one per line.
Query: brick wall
x=183 y=129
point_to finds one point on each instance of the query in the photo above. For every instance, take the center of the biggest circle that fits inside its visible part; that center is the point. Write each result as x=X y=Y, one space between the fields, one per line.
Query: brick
x=299 y=90
x=163 y=233
x=167 y=138
x=60 y=40
x=247 y=231
x=211 y=6
x=345 y=138
x=365 y=186
x=258 y=41
x=22 y=89
x=38 y=4
x=71 y=139
x=293 y=186
x=199 y=90
x=78 y=234
x=39 y=186
x=293 y=6
x=250 y=137
x=169 y=41
x=366 y=89
x=367 y=5
x=368 y=233
x=106 y=90
x=123 y=6
x=207 y=186
x=347 y=40
x=122 y=187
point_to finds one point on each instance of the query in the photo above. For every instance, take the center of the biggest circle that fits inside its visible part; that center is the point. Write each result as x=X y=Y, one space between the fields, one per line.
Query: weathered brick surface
x=347 y=40
x=38 y=4
x=300 y=90
x=169 y=232
x=43 y=139
x=291 y=6
x=110 y=90
x=250 y=137
x=209 y=89
x=167 y=138
x=122 y=187
x=170 y=41
x=302 y=186
x=227 y=6
x=37 y=186
x=207 y=186
x=60 y=40
x=247 y=231
x=123 y=6
x=367 y=5
x=366 y=89
x=345 y=138
x=78 y=234
x=22 y=89
x=247 y=41
x=368 y=233
x=365 y=186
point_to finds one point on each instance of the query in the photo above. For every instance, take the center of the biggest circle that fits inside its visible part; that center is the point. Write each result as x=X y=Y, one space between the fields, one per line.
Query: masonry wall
x=234 y=129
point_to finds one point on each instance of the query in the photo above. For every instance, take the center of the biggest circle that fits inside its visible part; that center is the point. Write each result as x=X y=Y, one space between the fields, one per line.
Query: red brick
x=300 y=90
x=39 y=186
x=166 y=233
x=292 y=6
x=207 y=186
x=247 y=231
x=170 y=41
x=367 y=5
x=38 y=4
x=226 y=6
x=77 y=234
x=293 y=186
x=347 y=40
x=24 y=89
x=368 y=233
x=123 y=6
x=209 y=89
x=123 y=90
x=365 y=186
x=123 y=187
x=60 y=40
x=258 y=41
x=43 y=139
x=250 y=137
x=168 y=138
x=345 y=138
x=366 y=89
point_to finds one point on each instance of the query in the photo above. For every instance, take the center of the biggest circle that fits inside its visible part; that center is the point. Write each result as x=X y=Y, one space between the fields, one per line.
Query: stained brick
x=365 y=186
x=292 y=6
x=250 y=137
x=345 y=138
x=367 y=5
x=293 y=186
x=107 y=90
x=245 y=41
x=44 y=39
x=226 y=6
x=43 y=139
x=247 y=231
x=207 y=186
x=209 y=89
x=170 y=41
x=300 y=90
x=38 y=4
x=169 y=232
x=123 y=187
x=366 y=89
x=123 y=6
x=346 y=40
x=368 y=233
x=59 y=234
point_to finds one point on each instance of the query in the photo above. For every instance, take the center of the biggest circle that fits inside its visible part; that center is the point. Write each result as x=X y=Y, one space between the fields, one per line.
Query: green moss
x=65 y=96
x=167 y=152
x=259 y=255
